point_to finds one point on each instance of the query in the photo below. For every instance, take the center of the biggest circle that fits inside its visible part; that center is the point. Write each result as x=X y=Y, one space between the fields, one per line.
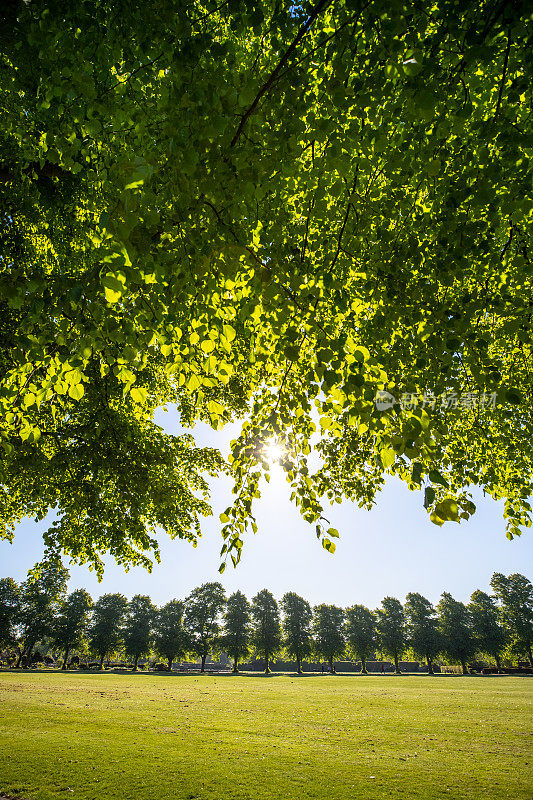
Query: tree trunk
x=331 y=667
x=430 y=666
x=498 y=663
x=530 y=655
x=363 y=667
x=28 y=654
x=19 y=659
x=135 y=661
x=396 y=665
x=65 y=659
x=102 y=660
x=298 y=666
x=267 y=668
x=235 y=665
x=464 y=667
x=203 y=664
x=170 y=663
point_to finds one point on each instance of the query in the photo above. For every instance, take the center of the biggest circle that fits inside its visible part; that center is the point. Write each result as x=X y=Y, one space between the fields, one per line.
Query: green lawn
x=138 y=737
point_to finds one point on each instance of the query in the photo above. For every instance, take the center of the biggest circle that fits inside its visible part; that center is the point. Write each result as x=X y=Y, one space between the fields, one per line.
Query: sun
x=274 y=452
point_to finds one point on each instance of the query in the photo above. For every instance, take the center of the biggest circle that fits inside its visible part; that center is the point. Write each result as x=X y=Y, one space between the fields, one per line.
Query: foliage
x=237 y=635
x=267 y=636
x=391 y=631
x=361 y=636
x=297 y=627
x=70 y=625
x=138 y=627
x=41 y=596
x=455 y=625
x=106 y=631
x=515 y=594
x=422 y=628
x=203 y=608
x=9 y=611
x=328 y=633
x=170 y=637
x=489 y=633
x=271 y=213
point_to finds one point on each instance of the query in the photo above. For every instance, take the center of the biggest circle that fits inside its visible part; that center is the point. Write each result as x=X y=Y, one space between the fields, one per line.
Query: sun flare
x=274 y=452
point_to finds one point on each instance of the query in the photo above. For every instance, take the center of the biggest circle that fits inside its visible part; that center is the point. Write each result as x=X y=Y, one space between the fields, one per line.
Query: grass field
x=149 y=737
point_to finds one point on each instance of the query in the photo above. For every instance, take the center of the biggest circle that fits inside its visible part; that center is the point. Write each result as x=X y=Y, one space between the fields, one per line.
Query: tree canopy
x=297 y=627
x=422 y=628
x=170 y=638
x=237 y=637
x=266 y=626
x=202 y=618
x=361 y=634
x=329 y=633
x=266 y=212
x=391 y=629
x=9 y=610
x=70 y=625
x=106 y=629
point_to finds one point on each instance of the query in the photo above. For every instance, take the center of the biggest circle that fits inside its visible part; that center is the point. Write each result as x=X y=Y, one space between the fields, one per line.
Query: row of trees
x=207 y=622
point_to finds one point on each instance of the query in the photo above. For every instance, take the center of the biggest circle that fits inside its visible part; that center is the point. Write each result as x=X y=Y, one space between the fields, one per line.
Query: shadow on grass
x=248 y=674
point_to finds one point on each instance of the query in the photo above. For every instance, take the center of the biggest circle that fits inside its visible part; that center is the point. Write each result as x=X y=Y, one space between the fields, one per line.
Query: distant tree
x=170 y=637
x=41 y=596
x=266 y=626
x=455 y=625
x=71 y=622
x=489 y=632
x=203 y=608
x=10 y=598
x=139 y=627
x=297 y=627
x=328 y=631
x=392 y=634
x=361 y=634
x=515 y=594
x=237 y=635
x=106 y=632
x=422 y=628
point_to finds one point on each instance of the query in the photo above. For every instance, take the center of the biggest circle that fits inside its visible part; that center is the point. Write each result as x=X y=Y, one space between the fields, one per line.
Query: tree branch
x=504 y=74
x=321 y=6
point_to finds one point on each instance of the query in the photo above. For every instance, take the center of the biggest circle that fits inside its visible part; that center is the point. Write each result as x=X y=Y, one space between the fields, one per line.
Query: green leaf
x=436 y=477
x=113 y=288
x=76 y=391
x=138 y=395
x=388 y=457
x=429 y=496
x=229 y=332
x=292 y=352
x=111 y=281
x=194 y=382
x=411 y=66
x=361 y=354
x=448 y=510
x=416 y=472
x=214 y=407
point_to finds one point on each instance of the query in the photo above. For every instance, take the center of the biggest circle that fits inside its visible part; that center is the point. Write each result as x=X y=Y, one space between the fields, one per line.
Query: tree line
x=493 y=626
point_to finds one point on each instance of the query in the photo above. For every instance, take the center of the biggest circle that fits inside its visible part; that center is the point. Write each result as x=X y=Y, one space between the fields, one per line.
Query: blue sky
x=391 y=550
